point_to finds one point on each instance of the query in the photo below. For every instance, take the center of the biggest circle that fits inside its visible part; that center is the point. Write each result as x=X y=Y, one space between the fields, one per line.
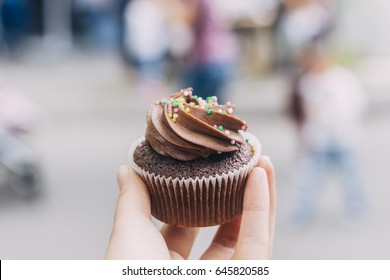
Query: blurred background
x=310 y=77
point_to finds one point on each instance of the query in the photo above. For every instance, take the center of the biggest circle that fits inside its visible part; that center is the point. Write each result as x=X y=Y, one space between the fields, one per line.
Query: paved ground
x=89 y=118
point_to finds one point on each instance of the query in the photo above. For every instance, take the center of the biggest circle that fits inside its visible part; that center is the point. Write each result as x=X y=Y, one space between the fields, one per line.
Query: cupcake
x=195 y=159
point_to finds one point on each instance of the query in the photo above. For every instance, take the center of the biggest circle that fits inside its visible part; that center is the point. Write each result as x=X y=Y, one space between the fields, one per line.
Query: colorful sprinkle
x=174 y=120
x=176 y=104
x=187 y=110
x=164 y=102
x=175 y=110
x=175 y=116
x=230 y=110
x=220 y=111
x=170 y=115
x=208 y=112
x=233 y=142
x=247 y=140
x=215 y=126
x=195 y=97
x=220 y=128
x=227 y=132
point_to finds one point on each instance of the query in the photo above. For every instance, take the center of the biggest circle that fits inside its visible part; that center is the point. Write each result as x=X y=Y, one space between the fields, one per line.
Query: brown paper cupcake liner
x=197 y=202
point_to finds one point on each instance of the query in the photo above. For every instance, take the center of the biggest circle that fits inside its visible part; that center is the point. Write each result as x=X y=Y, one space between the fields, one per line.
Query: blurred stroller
x=19 y=168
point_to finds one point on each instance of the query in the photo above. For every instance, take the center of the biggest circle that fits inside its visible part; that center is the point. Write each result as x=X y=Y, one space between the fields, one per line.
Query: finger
x=133 y=195
x=179 y=240
x=223 y=245
x=225 y=239
x=133 y=235
x=122 y=175
x=253 y=239
x=266 y=163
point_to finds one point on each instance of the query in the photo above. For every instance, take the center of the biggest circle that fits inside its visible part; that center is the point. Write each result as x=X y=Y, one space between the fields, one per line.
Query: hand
x=134 y=236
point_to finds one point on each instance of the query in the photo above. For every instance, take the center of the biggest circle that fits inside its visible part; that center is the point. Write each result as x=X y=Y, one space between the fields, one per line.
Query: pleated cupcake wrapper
x=197 y=202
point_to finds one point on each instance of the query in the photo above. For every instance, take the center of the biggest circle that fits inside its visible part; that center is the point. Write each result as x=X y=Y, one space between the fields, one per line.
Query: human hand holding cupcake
x=194 y=163
x=134 y=236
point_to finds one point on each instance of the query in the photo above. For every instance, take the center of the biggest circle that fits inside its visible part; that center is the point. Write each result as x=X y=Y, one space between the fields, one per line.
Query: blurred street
x=89 y=116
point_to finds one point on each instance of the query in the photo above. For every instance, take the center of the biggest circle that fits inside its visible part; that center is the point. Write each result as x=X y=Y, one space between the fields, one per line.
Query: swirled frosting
x=185 y=127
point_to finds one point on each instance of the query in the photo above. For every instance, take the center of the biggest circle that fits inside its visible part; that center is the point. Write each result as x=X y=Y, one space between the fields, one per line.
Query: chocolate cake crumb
x=148 y=159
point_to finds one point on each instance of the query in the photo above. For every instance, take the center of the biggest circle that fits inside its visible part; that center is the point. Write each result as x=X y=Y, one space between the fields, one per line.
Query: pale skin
x=134 y=236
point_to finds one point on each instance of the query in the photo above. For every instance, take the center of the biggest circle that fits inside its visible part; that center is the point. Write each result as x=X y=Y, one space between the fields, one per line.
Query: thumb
x=253 y=239
x=133 y=232
x=122 y=175
x=133 y=194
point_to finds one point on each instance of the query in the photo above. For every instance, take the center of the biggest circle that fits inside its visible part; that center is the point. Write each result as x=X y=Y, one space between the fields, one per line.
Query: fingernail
x=263 y=159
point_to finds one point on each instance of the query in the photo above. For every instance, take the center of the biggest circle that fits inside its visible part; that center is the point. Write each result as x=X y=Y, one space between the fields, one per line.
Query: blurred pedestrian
x=214 y=53
x=14 y=20
x=328 y=104
x=146 y=42
x=120 y=17
x=94 y=22
x=298 y=24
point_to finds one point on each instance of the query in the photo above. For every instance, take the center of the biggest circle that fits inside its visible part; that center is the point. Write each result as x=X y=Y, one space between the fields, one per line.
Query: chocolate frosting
x=186 y=127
